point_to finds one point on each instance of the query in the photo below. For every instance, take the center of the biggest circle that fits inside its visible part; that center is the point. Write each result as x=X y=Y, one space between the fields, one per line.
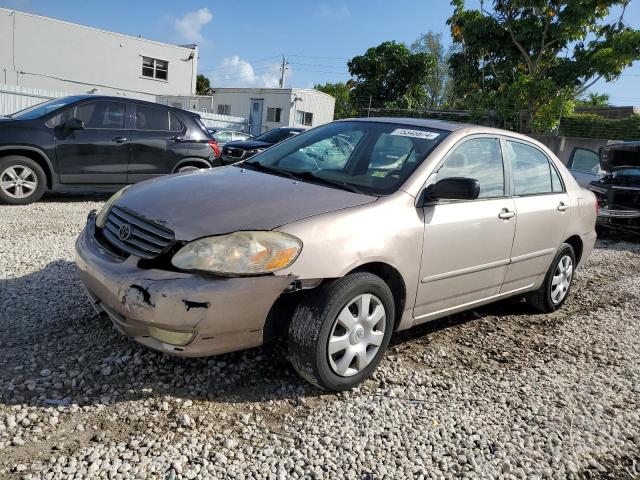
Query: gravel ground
x=499 y=392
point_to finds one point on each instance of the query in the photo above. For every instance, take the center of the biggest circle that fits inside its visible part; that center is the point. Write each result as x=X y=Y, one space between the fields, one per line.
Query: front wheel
x=339 y=334
x=22 y=181
x=554 y=290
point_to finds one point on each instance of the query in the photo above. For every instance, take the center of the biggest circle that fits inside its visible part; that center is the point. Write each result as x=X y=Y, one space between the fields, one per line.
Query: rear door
x=99 y=153
x=467 y=244
x=157 y=143
x=543 y=209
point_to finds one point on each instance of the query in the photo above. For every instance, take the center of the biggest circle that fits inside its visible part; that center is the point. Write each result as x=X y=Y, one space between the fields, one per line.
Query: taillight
x=214 y=146
x=597 y=207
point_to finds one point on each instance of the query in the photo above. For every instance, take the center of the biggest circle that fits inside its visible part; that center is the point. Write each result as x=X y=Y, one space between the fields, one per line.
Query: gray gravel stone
x=500 y=392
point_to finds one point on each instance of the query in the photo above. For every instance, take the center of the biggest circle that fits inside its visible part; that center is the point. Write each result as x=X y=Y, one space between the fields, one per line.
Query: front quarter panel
x=389 y=230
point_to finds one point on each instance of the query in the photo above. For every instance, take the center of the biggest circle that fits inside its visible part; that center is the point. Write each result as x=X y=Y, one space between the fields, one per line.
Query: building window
x=304 y=118
x=273 y=114
x=154 y=68
x=224 y=109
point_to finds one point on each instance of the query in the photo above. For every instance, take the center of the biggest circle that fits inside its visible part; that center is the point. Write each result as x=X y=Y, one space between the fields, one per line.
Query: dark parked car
x=241 y=150
x=222 y=136
x=96 y=143
x=618 y=191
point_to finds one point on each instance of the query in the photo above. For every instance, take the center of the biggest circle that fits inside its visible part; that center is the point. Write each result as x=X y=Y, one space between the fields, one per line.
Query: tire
x=316 y=321
x=16 y=190
x=546 y=298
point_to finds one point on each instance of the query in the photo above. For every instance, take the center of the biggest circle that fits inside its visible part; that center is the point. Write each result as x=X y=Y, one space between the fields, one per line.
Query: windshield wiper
x=308 y=175
x=305 y=175
x=268 y=168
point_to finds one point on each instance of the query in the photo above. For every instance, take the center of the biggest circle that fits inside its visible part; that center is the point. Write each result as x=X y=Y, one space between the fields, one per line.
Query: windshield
x=42 y=109
x=372 y=157
x=273 y=136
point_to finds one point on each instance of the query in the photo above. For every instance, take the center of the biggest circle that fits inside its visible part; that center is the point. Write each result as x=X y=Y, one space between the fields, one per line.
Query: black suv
x=96 y=143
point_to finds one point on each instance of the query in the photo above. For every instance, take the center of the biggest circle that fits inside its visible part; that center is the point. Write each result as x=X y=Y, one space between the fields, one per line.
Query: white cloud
x=190 y=24
x=334 y=10
x=235 y=72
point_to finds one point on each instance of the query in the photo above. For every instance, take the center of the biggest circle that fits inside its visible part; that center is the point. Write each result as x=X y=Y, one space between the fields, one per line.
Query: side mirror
x=73 y=124
x=454 y=188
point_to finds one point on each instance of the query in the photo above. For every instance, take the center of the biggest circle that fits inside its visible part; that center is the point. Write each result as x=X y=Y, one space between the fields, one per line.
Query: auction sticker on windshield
x=404 y=132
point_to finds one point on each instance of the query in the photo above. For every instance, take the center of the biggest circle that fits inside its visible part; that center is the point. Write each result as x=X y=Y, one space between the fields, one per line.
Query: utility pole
x=283 y=69
x=369 y=109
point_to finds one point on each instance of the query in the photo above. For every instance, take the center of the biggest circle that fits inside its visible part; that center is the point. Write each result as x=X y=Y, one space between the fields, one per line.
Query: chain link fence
x=606 y=123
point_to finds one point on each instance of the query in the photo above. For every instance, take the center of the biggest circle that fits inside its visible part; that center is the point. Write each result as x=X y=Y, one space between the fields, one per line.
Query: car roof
x=416 y=122
x=115 y=98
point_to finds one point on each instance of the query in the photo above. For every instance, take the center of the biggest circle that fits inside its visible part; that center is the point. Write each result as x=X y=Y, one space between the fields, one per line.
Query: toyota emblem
x=125 y=231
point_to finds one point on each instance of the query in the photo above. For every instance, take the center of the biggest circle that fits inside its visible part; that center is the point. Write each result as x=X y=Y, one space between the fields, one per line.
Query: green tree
x=341 y=91
x=439 y=86
x=203 y=86
x=593 y=100
x=537 y=55
x=391 y=76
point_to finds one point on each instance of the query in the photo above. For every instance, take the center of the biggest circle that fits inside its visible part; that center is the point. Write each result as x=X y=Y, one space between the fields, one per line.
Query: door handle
x=562 y=207
x=506 y=214
x=119 y=139
x=177 y=138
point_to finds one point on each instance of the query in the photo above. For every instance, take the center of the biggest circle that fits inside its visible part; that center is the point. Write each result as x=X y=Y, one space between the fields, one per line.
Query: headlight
x=101 y=218
x=239 y=253
x=255 y=150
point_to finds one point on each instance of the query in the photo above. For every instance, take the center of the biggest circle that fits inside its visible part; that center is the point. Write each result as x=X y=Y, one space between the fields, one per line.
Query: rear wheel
x=338 y=336
x=22 y=181
x=557 y=283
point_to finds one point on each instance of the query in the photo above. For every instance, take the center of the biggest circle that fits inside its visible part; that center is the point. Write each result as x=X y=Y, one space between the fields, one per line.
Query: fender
x=55 y=180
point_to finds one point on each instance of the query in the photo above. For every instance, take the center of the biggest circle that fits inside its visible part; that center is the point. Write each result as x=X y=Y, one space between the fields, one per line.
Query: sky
x=241 y=42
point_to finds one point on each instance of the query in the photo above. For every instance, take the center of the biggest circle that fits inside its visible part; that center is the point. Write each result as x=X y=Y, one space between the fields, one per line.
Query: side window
x=175 y=125
x=101 y=114
x=223 y=137
x=479 y=158
x=531 y=170
x=556 y=183
x=583 y=160
x=149 y=118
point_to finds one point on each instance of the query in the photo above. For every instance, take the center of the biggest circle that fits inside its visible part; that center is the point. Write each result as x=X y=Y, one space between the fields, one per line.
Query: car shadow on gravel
x=54 y=197
x=55 y=350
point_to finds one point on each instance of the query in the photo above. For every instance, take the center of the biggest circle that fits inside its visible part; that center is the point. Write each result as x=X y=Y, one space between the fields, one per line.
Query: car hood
x=248 y=144
x=620 y=156
x=228 y=199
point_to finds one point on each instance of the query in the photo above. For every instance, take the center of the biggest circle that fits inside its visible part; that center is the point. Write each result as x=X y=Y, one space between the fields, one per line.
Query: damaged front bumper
x=200 y=315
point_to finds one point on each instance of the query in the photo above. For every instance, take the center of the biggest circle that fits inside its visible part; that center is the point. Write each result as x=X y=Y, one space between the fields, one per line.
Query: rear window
x=149 y=118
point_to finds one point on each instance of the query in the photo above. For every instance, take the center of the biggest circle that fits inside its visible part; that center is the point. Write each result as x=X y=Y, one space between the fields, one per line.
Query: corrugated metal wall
x=14 y=98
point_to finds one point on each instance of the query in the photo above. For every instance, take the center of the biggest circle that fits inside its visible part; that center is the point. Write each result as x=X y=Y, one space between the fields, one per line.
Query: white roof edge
x=132 y=37
x=271 y=90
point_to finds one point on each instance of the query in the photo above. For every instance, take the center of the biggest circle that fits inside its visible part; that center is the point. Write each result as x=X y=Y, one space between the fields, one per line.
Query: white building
x=45 y=53
x=264 y=108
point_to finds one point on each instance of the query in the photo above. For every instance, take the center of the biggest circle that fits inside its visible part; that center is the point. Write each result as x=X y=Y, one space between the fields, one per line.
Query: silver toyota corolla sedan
x=335 y=239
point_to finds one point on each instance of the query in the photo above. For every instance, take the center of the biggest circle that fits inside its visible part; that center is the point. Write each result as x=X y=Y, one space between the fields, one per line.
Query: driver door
x=467 y=243
x=98 y=153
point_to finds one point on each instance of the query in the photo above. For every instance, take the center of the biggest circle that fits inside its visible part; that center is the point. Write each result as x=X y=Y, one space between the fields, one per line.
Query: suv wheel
x=557 y=283
x=22 y=181
x=339 y=334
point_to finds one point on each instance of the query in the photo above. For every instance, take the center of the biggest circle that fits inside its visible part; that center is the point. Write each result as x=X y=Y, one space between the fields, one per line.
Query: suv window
x=532 y=171
x=150 y=118
x=175 y=125
x=479 y=158
x=583 y=160
x=99 y=114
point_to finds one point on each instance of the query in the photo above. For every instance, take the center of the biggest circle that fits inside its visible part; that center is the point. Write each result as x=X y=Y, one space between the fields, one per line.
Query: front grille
x=135 y=235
